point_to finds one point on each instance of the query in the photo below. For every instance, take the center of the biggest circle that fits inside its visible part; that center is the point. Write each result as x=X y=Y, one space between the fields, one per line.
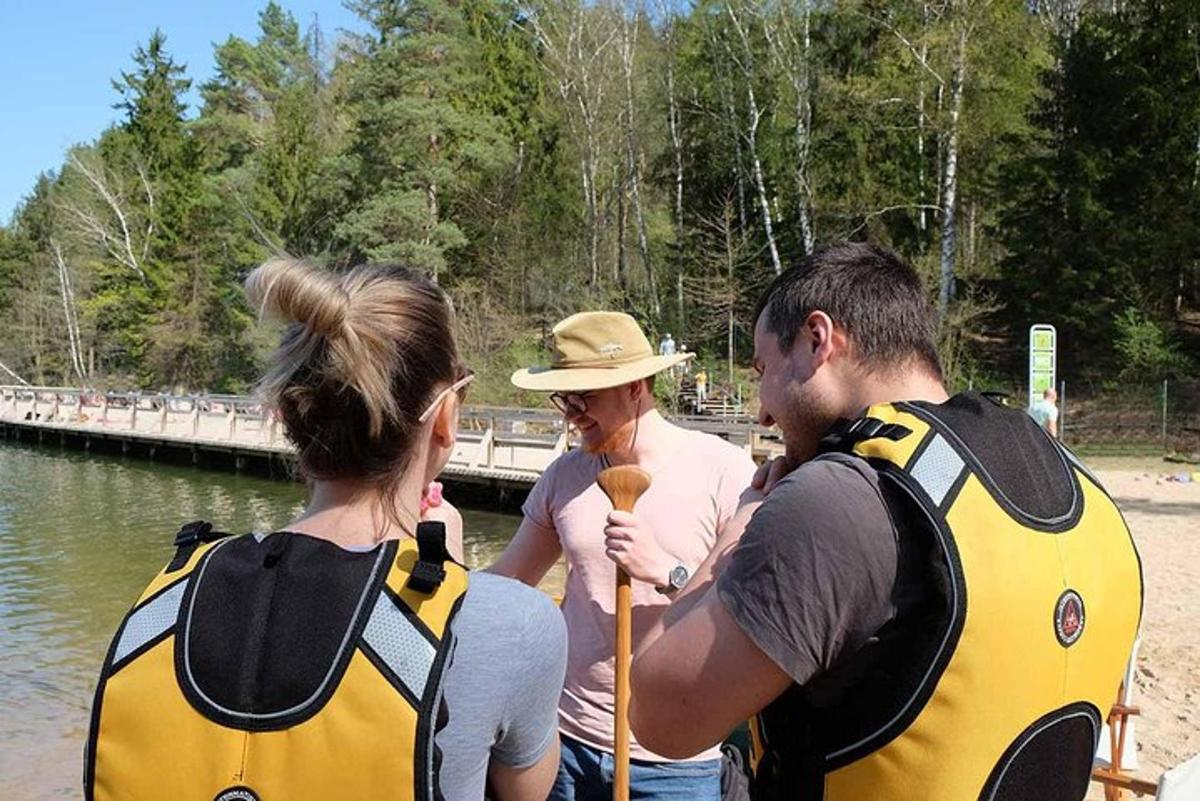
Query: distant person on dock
x=347 y=655
x=667 y=346
x=602 y=380
x=701 y=387
x=1045 y=412
x=934 y=601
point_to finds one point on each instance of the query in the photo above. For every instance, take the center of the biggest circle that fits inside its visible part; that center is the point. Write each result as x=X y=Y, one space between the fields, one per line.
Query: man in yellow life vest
x=935 y=601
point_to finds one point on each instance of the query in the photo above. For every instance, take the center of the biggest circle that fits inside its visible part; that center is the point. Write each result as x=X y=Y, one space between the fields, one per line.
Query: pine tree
x=1103 y=214
x=419 y=138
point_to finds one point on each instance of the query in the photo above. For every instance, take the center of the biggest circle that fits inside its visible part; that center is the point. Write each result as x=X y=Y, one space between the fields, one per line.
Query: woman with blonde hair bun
x=350 y=654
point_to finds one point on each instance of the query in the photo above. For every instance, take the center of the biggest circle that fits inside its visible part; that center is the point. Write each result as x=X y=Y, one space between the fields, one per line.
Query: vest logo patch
x=1068 y=618
x=237 y=794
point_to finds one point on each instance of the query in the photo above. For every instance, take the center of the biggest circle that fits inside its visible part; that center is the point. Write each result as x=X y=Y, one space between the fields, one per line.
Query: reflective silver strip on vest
x=1079 y=465
x=937 y=469
x=400 y=645
x=150 y=621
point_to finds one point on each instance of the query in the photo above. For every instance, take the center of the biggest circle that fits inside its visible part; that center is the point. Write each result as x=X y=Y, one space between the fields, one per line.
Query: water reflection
x=80 y=536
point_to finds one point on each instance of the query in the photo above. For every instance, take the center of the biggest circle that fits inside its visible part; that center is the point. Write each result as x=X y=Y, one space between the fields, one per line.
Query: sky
x=58 y=59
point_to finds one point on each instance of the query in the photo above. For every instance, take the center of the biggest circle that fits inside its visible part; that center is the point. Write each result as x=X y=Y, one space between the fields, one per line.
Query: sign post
x=1043 y=360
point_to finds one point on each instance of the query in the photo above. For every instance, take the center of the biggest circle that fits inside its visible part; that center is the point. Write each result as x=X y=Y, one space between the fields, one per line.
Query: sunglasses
x=455 y=387
x=569 y=403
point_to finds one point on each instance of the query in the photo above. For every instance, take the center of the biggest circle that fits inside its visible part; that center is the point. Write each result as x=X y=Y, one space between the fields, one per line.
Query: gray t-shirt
x=502 y=687
x=821 y=568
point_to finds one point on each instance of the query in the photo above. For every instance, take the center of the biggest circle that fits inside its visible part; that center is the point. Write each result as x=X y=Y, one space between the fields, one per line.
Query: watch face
x=679 y=577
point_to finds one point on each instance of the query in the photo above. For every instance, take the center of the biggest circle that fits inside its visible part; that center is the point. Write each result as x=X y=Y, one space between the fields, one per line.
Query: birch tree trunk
x=735 y=133
x=74 y=345
x=633 y=161
x=592 y=200
x=940 y=144
x=950 y=170
x=747 y=66
x=676 y=148
x=732 y=123
x=621 y=269
x=922 y=221
x=574 y=42
x=668 y=21
x=727 y=230
x=791 y=51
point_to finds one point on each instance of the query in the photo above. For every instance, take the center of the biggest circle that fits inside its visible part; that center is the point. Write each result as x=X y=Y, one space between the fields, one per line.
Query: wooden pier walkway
x=504 y=447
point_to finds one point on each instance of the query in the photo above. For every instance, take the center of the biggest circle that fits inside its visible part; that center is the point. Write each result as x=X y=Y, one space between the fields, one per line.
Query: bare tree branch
x=18 y=378
x=275 y=247
x=113 y=235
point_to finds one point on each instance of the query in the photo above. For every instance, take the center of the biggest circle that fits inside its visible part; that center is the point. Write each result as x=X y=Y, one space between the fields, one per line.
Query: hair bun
x=293 y=290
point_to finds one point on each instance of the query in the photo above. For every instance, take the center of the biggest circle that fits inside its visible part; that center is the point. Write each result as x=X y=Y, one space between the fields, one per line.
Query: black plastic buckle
x=429 y=571
x=190 y=536
x=193 y=533
x=893 y=431
x=845 y=434
x=426 y=577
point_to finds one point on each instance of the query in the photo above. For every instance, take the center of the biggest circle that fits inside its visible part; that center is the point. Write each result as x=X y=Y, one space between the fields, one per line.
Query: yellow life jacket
x=996 y=689
x=277 y=669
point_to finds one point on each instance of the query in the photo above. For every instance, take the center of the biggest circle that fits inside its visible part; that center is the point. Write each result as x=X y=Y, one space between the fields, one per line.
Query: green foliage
x=1104 y=208
x=153 y=104
x=531 y=159
x=421 y=140
x=1146 y=349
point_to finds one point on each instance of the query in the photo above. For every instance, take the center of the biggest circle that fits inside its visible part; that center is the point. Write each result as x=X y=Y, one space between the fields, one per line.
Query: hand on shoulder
x=770 y=473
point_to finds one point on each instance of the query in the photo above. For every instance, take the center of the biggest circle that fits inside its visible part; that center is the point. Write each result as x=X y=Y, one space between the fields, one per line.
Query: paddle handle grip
x=623 y=485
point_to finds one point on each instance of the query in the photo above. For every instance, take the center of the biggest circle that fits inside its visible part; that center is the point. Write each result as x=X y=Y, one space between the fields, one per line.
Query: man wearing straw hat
x=601 y=378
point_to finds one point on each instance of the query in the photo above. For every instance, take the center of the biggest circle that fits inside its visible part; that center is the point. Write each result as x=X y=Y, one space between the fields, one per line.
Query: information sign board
x=1043 y=360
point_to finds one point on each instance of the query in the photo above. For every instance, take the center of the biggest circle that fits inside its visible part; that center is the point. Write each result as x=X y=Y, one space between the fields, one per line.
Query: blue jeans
x=586 y=774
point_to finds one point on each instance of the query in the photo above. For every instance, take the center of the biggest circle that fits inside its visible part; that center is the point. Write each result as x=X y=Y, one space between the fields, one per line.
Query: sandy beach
x=1165 y=519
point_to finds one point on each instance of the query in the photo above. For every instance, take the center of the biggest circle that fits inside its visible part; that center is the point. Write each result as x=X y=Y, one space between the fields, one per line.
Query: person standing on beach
x=934 y=601
x=1045 y=412
x=601 y=379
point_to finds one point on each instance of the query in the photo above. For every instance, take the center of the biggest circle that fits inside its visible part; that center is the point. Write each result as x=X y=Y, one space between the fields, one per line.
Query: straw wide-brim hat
x=596 y=350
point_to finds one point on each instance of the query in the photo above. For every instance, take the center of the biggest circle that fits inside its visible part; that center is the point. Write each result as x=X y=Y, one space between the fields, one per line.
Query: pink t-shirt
x=689 y=501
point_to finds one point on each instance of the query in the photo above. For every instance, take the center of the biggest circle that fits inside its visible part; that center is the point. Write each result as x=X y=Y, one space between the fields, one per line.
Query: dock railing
x=495 y=444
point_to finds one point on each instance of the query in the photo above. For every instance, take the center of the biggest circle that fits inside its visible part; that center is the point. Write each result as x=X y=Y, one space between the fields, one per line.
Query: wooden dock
x=502 y=447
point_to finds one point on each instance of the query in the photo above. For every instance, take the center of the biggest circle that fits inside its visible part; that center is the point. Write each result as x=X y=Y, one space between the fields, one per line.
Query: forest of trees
x=1037 y=160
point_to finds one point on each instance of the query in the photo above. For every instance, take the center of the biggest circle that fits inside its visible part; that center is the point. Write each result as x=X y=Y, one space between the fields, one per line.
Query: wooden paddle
x=623 y=485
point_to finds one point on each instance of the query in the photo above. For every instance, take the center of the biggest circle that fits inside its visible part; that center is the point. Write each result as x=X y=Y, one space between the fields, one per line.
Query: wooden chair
x=1112 y=769
x=1114 y=777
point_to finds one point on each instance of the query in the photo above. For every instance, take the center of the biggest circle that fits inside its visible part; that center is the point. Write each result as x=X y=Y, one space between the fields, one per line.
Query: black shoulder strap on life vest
x=432 y=555
x=845 y=434
x=190 y=537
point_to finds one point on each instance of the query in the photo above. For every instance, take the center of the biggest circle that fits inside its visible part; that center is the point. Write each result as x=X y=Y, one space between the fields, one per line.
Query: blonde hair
x=362 y=355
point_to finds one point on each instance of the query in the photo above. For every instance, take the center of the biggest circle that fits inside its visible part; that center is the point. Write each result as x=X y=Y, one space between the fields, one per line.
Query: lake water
x=80 y=537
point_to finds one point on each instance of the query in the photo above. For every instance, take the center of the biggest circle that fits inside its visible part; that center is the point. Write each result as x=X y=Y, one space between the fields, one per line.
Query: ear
x=823 y=338
x=445 y=422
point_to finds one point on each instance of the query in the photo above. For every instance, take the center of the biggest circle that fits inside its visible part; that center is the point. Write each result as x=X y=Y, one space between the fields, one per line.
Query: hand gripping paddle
x=623 y=485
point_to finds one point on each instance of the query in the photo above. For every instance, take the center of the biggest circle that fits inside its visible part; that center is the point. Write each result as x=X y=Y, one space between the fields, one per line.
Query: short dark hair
x=871 y=293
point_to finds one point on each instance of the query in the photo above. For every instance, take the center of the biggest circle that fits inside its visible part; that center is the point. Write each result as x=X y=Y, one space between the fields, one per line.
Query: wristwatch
x=675 y=580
